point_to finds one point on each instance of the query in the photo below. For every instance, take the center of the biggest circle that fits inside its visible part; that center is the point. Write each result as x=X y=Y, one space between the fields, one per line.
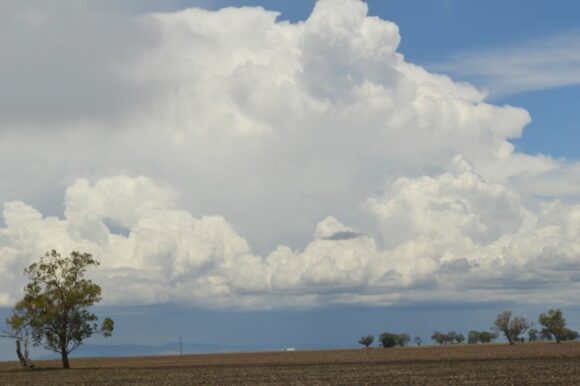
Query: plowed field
x=524 y=364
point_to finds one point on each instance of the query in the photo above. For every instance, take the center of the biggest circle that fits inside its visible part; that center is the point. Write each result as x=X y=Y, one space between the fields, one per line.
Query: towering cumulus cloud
x=262 y=163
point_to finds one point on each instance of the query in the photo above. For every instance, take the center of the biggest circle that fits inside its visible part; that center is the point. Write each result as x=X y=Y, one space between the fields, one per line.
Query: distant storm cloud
x=226 y=158
x=64 y=63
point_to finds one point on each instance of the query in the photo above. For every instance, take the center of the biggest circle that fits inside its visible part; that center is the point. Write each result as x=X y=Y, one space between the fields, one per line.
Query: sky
x=236 y=165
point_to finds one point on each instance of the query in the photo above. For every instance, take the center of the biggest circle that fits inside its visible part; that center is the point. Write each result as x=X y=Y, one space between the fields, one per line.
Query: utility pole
x=180 y=346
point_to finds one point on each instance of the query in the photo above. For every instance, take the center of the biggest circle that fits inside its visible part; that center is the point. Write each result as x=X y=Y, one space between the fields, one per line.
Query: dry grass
x=533 y=364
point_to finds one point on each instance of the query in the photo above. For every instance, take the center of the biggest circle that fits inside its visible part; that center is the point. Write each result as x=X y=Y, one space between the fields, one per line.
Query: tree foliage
x=367 y=340
x=388 y=339
x=554 y=322
x=486 y=337
x=455 y=337
x=56 y=301
x=554 y=325
x=19 y=330
x=546 y=335
x=512 y=328
x=439 y=337
x=570 y=335
x=473 y=337
x=533 y=335
x=452 y=337
x=403 y=340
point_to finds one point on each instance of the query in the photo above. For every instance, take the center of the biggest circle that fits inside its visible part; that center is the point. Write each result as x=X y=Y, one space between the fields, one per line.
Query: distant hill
x=94 y=350
x=129 y=350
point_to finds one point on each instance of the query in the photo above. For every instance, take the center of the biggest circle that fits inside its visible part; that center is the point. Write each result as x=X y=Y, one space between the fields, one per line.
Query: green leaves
x=554 y=325
x=366 y=340
x=107 y=327
x=56 y=301
x=511 y=328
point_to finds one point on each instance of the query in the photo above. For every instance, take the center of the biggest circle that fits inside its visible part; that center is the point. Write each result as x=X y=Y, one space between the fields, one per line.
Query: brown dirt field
x=524 y=364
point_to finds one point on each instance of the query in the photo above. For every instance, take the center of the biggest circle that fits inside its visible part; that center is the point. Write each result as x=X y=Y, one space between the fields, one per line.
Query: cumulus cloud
x=253 y=133
x=452 y=233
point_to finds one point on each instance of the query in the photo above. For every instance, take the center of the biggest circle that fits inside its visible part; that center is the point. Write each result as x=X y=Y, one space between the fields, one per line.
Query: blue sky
x=229 y=211
x=435 y=31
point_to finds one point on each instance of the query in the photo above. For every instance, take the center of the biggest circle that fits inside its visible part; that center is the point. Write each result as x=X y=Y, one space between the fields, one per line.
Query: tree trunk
x=65 y=363
x=26 y=353
x=64 y=355
x=64 y=351
x=19 y=353
x=23 y=358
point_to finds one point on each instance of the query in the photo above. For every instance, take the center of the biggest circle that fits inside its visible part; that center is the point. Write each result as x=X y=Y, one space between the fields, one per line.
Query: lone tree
x=554 y=324
x=367 y=340
x=56 y=301
x=511 y=328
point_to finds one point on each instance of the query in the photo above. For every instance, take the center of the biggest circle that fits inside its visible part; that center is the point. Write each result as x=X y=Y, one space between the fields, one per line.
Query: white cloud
x=449 y=207
x=452 y=233
x=537 y=64
x=270 y=127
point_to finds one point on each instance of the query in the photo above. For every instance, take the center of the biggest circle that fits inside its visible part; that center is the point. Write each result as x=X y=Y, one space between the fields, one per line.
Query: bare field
x=524 y=364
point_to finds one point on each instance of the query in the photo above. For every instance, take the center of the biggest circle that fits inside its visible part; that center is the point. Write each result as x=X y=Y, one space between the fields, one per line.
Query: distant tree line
x=451 y=337
x=512 y=327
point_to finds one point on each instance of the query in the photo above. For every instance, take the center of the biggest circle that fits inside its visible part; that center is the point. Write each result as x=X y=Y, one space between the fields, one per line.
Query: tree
x=570 y=334
x=439 y=337
x=388 y=339
x=511 y=328
x=554 y=325
x=546 y=335
x=455 y=337
x=450 y=338
x=391 y=340
x=56 y=301
x=19 y=331
x=403 y=340
x=418 y=341
x=533 y=335
x=367 y=340
x=473 y=337
x=486 y=337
